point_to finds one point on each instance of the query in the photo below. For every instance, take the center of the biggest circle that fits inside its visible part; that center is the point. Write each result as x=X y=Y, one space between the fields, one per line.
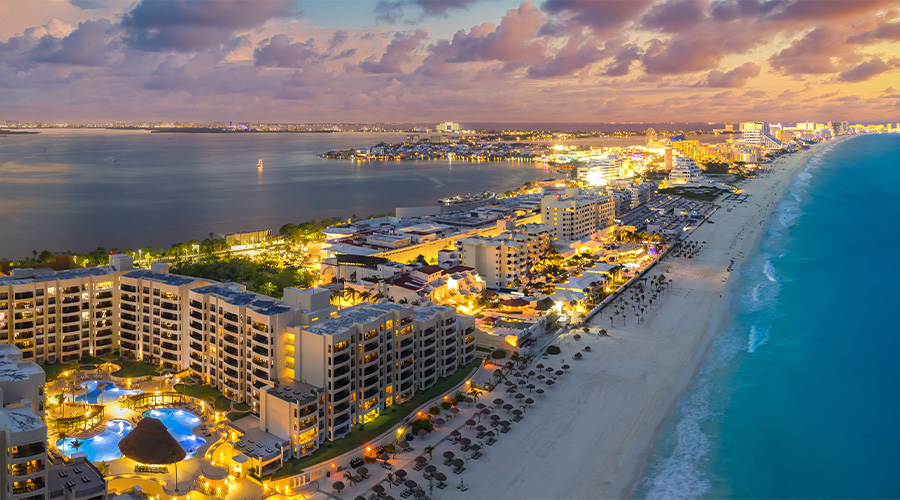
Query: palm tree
x=390 y=477
x=103 y=467
x=337 y=294
x=474 y=393
x=364 y=296
x=429 y=450
x=108 y=356
x=174 y=454
x=350 y=477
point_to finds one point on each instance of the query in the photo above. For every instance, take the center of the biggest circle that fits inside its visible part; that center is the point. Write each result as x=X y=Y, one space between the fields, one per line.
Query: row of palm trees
x=639 y=298
x=352 y=295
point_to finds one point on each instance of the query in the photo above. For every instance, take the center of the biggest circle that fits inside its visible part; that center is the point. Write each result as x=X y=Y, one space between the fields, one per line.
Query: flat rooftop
x=295 y=392
x=44 y=275
x=12 y=367
x=259 y=303
x=86 y=478
x=168 y=279
x=360 y=313
x=427 y=312
x=20 y=419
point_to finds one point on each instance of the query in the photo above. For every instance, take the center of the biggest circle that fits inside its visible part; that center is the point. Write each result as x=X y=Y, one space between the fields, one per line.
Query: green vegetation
x=209 y=394
x=716 y=167
x=242 y=407
x=237 y=415
x=694 y=193
x=421 y=424
x=388 y=419
x=134 y=369
x=553 y=349
x=306 y=232
x=263 y=275
x=498 y=354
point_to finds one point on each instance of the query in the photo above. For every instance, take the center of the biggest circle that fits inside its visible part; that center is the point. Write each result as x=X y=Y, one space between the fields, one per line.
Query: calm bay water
x=79 y=189
x=798 y=396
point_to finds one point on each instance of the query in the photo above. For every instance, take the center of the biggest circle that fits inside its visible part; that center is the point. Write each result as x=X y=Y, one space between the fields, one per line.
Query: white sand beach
x=589 y=435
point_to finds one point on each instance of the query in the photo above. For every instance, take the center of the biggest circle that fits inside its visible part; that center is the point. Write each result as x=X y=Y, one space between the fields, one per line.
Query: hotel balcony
x=27 y=451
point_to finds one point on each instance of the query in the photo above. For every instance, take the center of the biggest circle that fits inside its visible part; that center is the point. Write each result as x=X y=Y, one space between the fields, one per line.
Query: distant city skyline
x=428 y=61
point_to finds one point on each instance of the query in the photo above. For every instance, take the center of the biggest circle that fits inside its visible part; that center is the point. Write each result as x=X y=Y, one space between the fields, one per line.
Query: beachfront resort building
x=761 y=134
x=60 y=316
x=685 y=171
x=600 y=169
x=578 y=216
x=505 y=260
x=372 y=356
x=25 y=470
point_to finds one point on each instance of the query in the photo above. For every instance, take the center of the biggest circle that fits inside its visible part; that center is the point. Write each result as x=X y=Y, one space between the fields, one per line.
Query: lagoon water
x=82 y=189
x=798 y=396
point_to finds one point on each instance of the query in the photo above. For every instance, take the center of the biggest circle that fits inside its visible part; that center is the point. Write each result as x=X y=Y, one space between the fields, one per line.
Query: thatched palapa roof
x=151 y=443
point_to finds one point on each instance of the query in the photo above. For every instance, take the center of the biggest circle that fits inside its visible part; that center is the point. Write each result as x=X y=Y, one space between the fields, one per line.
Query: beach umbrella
x=468 y=400
x=418 y=493
x=507 y=407
x=549 y=382
x=449 y=454
x=587 y=348
x=378 y=488
x=505 y=423
x=403 y=444
x=549 y=370
x=485 y=411
x=495 y=417
x=510 y=390
x=438 y=421
x=507 y=382
x=400 y=474
x=480 y=406
x=489 y=434
x=558 y=373
x=475 y=447
x=454 y=410
x=359 y=497
x=420 y=459
x=150 y=443
x=576 y=336
x=539 y=391
x=338 y=486
x=440 y=476
x=410 y=483
x=539 y=366
x=517 y=412
x=430 y=469
x=362 y=471
x=465 y=441
x=529 y=401
x=565 y=367
x=481 y=428
x=531 y=373
x=471 y=422
x=577 y=355
x=387 y=497
x=498 y=402
x=458 y=462
x=541 y=377
x=519 y=396
x=455 y=432
x=530 y=387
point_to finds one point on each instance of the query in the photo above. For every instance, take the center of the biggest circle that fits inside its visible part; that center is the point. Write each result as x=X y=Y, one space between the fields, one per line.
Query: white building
x=578 y=217
x=600 y=169
x=684 y=171
x=761 y=134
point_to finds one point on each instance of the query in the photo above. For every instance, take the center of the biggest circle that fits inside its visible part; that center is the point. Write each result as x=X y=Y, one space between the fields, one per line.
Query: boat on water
x=259 y=166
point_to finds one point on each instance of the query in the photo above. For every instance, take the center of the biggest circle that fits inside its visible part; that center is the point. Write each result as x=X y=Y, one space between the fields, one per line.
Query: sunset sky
x=461 y=60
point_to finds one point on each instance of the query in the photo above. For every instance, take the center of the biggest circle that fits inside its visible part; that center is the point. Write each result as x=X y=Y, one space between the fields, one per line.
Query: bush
x=369 y=459
x=421 y=423
x=498 y=354
x=434 y=410
x=553 y=349
x=446 y=405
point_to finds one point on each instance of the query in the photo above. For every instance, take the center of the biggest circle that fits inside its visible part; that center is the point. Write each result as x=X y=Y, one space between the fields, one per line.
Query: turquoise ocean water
x=798 y=396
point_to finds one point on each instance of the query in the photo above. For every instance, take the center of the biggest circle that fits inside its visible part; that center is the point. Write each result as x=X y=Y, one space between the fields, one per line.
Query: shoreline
x=720 y=319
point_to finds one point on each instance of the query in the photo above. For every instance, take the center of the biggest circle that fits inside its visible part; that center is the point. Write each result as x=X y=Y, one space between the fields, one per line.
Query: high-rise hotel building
x=60 y=316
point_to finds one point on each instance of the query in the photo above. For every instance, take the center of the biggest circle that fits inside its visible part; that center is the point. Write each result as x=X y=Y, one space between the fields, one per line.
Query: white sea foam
x=759 y=336
x=680 y=474
x=755 y=293
x=769 y=271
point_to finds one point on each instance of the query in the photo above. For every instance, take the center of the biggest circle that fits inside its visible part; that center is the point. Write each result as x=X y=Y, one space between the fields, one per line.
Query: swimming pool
x=98 y=392
x=105 y=446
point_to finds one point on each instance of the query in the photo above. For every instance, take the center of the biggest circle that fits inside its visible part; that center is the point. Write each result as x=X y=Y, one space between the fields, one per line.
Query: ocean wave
x=769 y=271
x=681 y=473
x=755 y=293
x=759 y=336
